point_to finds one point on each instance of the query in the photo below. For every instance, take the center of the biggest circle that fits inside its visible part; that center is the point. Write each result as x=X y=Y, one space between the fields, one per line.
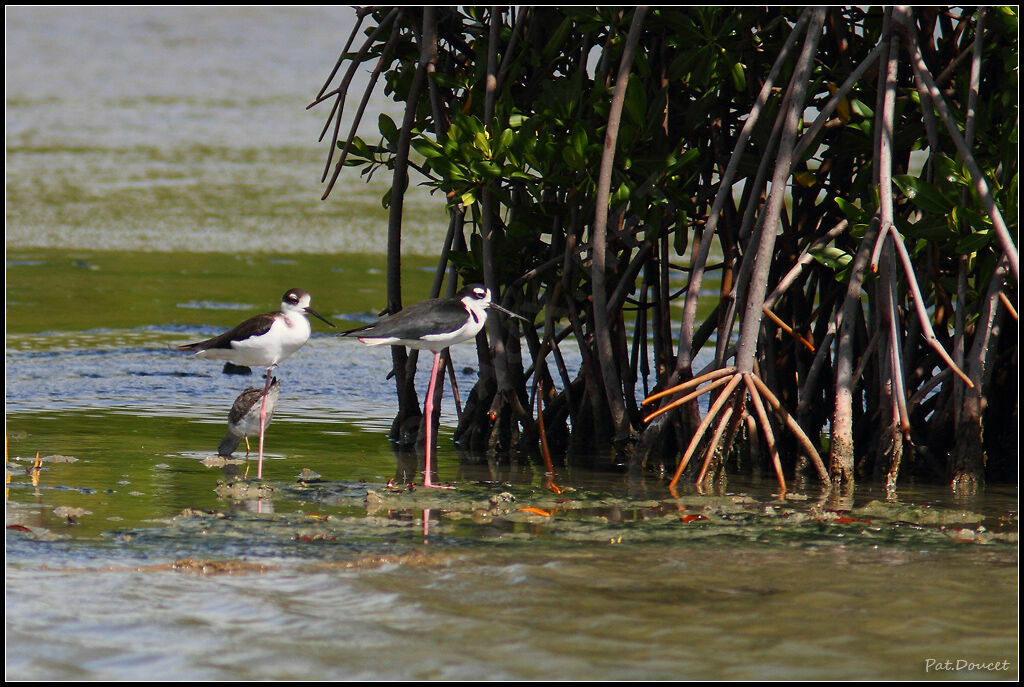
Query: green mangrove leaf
x=860 y=109
x=922 y=194
x=387 y=128
x=482 y=143
x=972 y=243
x=739 y=78
x=572 y=157
x=427 y=148
x=832 y=257
x=852 y=212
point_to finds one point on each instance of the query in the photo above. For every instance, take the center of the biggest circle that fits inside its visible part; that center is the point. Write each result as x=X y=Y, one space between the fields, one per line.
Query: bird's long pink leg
x=263 y=420
x=428 y=438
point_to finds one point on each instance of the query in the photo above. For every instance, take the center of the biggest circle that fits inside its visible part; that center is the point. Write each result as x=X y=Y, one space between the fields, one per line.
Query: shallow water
x=511 y=610
x=176 y=139
x=135 y=555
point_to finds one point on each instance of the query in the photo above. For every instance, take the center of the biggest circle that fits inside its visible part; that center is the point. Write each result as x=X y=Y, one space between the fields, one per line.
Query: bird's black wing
x=254 y=326
x=434 y=316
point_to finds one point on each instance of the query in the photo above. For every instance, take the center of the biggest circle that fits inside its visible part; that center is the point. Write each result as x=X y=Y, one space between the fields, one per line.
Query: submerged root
x=545 y=451
x=724 y=411
x=766 y=430
x=716 y=407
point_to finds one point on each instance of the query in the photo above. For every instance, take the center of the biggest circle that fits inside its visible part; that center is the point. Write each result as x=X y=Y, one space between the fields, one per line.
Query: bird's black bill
x=507 y=312
x=320 y=317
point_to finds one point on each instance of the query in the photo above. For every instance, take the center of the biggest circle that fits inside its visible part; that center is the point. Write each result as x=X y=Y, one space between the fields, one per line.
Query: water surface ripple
x=162 y=182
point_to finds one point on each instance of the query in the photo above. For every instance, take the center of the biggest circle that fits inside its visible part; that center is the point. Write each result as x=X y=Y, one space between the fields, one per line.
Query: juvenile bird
x=264 y=340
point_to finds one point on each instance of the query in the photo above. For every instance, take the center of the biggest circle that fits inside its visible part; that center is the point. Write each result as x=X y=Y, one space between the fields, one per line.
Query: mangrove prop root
x=789 y=330
x=1009 y=306
x=716 y=437
x=695 y=441
x=794 y=427
x=766 y=429
x=686 y=399
x=690 y=384
x=758 y=392
x=545 y=451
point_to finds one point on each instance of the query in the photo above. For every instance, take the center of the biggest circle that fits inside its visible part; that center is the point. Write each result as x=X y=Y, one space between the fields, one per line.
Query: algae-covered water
x=162 y=185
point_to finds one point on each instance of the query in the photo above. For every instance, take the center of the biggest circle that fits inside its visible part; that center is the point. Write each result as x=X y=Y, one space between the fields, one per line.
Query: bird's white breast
x=288 y=334
x=466 y=332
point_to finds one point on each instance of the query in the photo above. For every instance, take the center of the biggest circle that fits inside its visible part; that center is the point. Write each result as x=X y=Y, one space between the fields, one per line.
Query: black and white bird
x=244 y=417
x=264 y=340
x=433 y=325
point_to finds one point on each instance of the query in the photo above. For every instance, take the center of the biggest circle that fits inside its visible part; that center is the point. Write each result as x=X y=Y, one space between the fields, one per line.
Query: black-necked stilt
x=244 y=417
x=433 y=325
x=264 y=340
